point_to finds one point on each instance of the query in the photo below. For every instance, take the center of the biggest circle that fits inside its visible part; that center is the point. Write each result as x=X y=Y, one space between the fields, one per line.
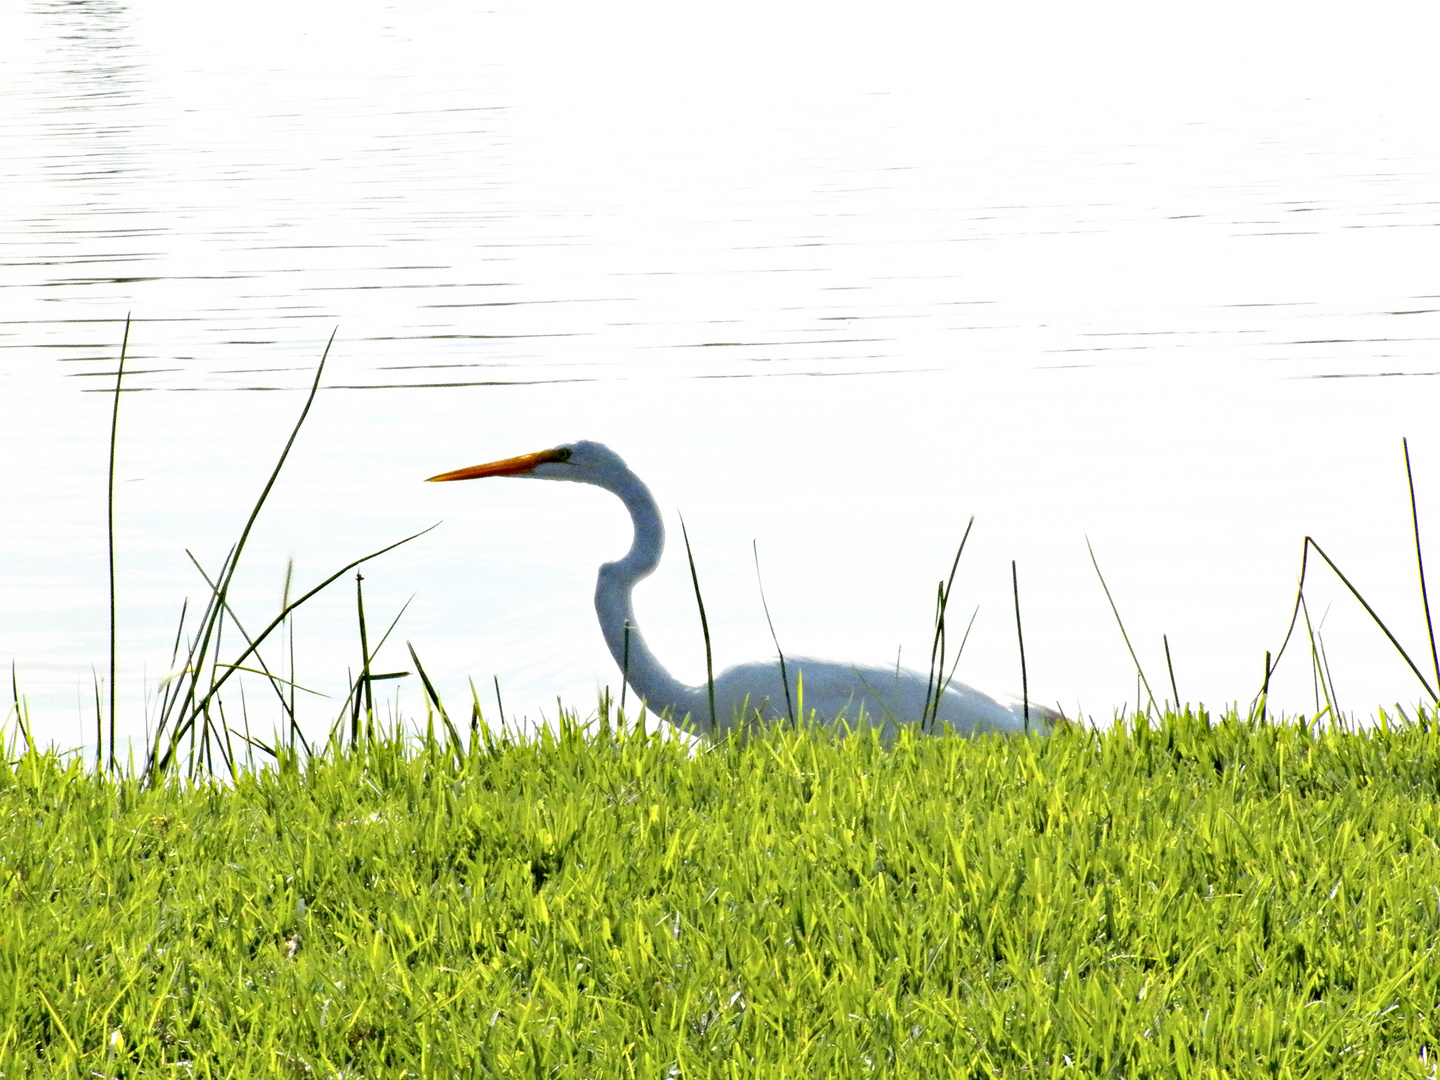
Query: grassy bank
x=1197 y=899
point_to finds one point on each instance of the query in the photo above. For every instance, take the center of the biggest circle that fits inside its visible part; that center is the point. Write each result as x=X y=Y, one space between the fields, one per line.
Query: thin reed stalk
x=934 y=686
x=624 y=663
x=1309 y=543
x=20 y=720
x=704 y=627
x=784 y=675
x=190 y=705
x=212 y=620
x=290 y=633
x=1139 y=671
x=361 y=688
x=1171 y=669
x=275 y=681
x=457 y=747
x=1020 y=635
x=364 y=669
x=1420 y=563
x=187 y=724
x=110 y=524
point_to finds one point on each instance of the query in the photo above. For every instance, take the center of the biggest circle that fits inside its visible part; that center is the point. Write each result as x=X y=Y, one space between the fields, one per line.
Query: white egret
x=848 y=695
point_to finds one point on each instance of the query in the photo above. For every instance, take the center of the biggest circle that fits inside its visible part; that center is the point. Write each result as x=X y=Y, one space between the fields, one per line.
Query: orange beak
x=515 y=466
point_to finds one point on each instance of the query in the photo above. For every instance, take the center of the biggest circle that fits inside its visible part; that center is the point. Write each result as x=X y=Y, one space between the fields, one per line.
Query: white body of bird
x=837 y=695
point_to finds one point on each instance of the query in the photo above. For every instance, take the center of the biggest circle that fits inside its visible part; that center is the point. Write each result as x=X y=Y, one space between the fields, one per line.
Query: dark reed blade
x=454 y=736
x=364 y=666
x=936 y=655
x=290 y=626
x=222 y=738
x=188 y=681
x=1020 y=634
x=1420 y=563
x=498 y=704
x=294 y=725
x=245 y=736
x=625 y=665
x=704 y=625
x=1371 y=612
x=228 y=571
x=110 y=525
x=1308 y=543
x=1119 y=622
x=1171 y=668
x=194 y=712
x=213 y=663
x=784 y=675
x=1263 y=698
x=427 y=684
x=275 y=622
x=933 y=690
x=275 y=681
x=19 y=709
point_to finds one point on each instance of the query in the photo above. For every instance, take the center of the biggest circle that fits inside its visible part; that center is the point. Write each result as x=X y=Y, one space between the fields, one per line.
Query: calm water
x=831 y=284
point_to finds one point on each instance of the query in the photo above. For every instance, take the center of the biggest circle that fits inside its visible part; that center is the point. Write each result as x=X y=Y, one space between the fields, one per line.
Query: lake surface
x=831 y=279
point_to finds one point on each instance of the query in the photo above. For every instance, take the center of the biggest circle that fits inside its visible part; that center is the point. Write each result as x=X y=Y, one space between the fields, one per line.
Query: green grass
x=1226 y=898
x=1245 y=897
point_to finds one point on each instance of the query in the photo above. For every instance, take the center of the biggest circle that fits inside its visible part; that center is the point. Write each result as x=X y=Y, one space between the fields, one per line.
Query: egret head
x=583 y=462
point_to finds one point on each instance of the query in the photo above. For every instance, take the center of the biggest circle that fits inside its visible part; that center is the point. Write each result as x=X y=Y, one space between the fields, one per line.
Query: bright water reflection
x=828 y=284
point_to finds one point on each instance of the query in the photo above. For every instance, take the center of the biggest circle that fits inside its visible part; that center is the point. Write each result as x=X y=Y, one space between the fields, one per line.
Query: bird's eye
x=562 y=453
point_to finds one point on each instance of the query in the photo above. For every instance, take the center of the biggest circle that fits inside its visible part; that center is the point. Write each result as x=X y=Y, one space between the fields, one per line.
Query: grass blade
x=195 y=711
x=625 y=665
x=275 y=682
x=1020 y=634
x=1371 y=612
x=1420 y=563
x=784 y=675
x=19 y=708
x=457 y=747
x=364 y=670
x=227 y=572
x=704 y=626
x=933 y=688
x=1309 y=542
x=1120 y=622
x=110 y=526
x=1171 y=668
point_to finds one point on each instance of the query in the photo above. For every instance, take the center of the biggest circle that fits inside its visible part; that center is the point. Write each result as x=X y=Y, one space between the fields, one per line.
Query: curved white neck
x=662 y=692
